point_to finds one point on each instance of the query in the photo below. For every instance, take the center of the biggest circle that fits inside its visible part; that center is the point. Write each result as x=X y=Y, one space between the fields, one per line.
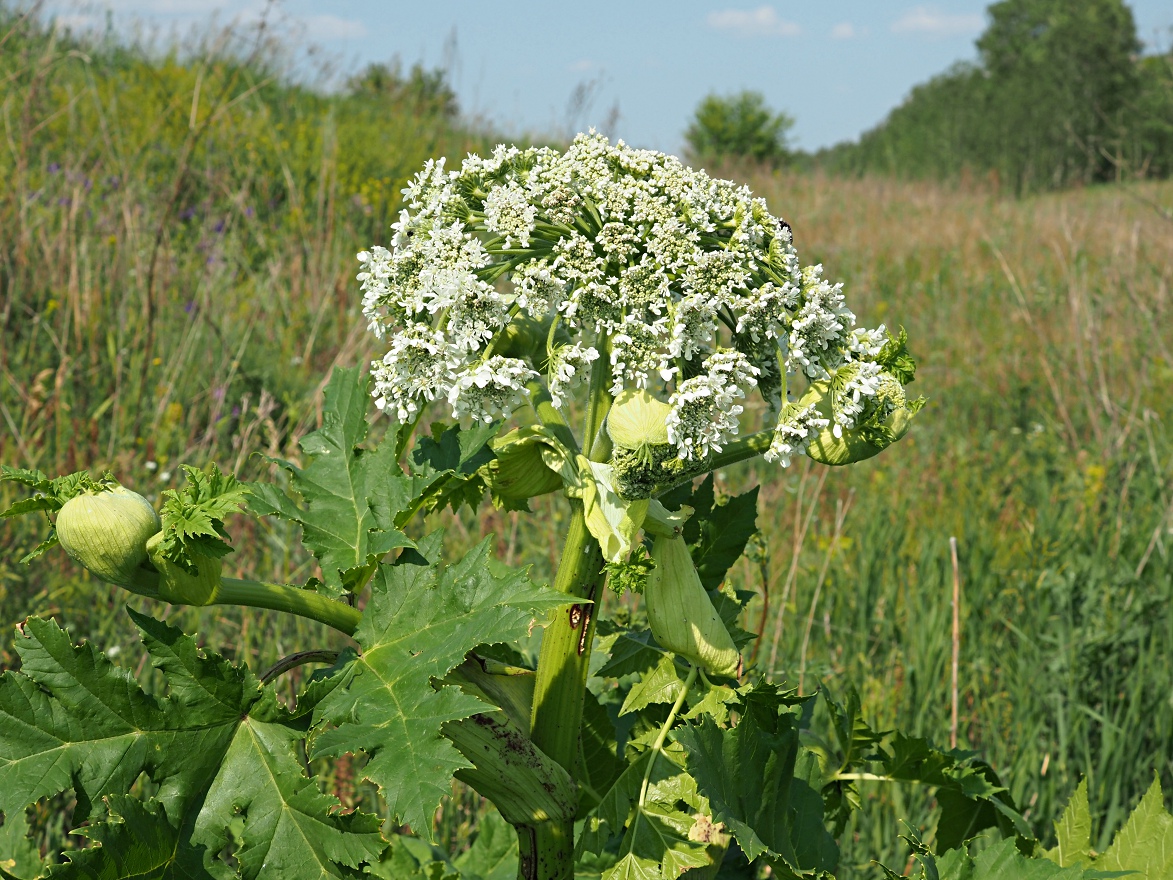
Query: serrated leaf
x=1003 y=861
x=215 y=742
x=747 y=773
x=663 y=683
x=420 y=622
x=657 y=846
x=30 y=505
x=351 y=494
x=1073 y=831
x=34 y=479
x=714 y=702
x=724 y=531
x=667 y=784
x=1145 y=843
x=410 y=859
x=628 y=651
x=193 y=516
x=20 y=857
x=493 y=854
x=138 y=842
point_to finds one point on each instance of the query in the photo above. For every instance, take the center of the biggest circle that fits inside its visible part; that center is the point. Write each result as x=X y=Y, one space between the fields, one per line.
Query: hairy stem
x=291 y=600
x=301 y=658
x=548 y=849
x=658 y=745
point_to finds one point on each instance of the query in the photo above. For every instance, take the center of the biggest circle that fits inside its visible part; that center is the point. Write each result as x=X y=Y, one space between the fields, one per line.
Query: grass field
x=176 y=265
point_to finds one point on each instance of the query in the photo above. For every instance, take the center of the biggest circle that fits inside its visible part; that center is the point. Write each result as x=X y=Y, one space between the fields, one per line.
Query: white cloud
x=761 y=22
x=581 y=66
x=931 y=22
x=845 y=30
x=331 y=27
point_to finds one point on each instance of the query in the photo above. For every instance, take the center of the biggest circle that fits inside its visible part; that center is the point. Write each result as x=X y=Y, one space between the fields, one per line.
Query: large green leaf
x=20 y=856
x=748 y=773
x=216 y=742
x=1145 y=843
x=1073 y=831
x=420 y=623
x=658 y=846
x=493 y=854
x=351 y=494
x=1003 y=861
x=450 y=462
x=138 y=842
x=724 y=531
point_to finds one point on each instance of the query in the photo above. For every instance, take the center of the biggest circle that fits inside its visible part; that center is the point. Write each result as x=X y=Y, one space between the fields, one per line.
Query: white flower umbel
x=568 y=365
x=421 y=365
x=704 y=414
x=796 y=427
x=688 y=285
x=508 y=212
x=863 y=381
x=490 y=390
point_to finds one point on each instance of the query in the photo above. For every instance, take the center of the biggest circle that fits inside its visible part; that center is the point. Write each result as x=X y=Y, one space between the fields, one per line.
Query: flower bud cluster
x=685 y=285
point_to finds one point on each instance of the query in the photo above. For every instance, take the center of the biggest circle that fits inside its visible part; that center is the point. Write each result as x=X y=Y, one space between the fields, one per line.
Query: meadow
x=177 y=239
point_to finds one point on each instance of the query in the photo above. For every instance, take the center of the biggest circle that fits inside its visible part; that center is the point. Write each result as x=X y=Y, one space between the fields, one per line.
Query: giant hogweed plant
x=591 y=321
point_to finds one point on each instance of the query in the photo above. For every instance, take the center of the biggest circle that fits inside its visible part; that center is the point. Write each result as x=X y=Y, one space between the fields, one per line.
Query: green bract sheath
x=107 y=532
x=681 y=616
x=887 y=424
x=180 y=587
x=638 y=419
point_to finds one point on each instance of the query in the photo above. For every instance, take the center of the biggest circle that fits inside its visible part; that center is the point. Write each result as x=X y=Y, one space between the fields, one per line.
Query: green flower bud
x=643 y=458
x=681 y=616
x=888 y=418
x=638 y=420
x=107 y=533
x=179 y=587
x=519 y=472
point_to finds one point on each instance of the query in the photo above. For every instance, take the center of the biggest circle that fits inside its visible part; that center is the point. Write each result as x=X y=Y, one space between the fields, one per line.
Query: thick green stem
x=740 y=450
x=280 y=597
x=548 y=849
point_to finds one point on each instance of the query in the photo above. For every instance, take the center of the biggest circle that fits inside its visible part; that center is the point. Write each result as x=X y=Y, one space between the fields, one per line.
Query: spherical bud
x=107 y=533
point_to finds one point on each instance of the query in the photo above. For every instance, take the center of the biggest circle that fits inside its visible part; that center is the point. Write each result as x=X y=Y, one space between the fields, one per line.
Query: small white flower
x=568 y=365
x=508 y=212
x=421 y=365
x=796 y=428
x=491 y=390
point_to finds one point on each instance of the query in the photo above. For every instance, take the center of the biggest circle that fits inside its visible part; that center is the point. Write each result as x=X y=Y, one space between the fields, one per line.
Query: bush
x=740 y=126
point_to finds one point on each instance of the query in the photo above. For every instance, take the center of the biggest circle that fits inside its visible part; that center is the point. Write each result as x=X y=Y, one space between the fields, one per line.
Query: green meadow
x=177 y=241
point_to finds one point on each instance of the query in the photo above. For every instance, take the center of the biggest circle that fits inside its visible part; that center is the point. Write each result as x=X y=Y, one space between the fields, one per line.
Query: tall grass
x=1045 y=341
x=176 y=257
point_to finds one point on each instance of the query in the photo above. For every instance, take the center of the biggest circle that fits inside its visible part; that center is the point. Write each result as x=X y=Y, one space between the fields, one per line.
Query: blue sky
x=837 y=67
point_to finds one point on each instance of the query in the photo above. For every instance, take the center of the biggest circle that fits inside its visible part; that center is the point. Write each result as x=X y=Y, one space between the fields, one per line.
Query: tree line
x=1060 y=95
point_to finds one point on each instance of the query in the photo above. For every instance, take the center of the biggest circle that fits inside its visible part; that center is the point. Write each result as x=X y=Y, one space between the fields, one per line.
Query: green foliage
x=216 y=743
x=50 y=495
x=351 y=495
x=1058 y=97
x=740 y=126
x=421 y=621
x=193 y=517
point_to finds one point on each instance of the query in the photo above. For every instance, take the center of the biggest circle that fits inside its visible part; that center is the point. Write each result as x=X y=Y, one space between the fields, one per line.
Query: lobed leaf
x=216 y=743
x=420 y=622
x=351 y=494
x=193 y=517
